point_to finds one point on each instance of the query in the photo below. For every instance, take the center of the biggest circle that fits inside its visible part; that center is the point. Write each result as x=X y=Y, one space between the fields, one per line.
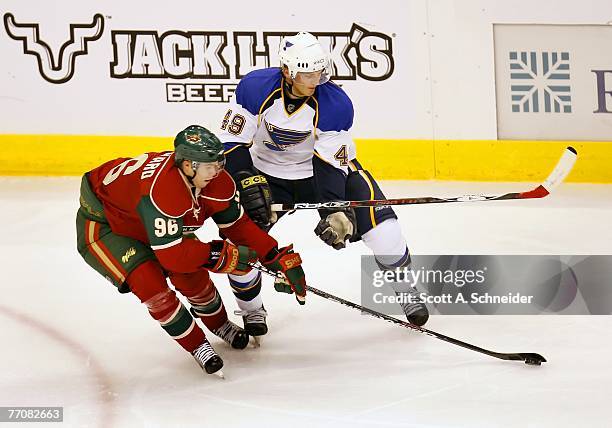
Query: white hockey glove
x=336 y=228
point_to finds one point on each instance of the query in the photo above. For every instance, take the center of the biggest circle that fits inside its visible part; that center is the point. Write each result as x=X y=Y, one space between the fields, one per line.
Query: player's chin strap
x=289 y=88
x=189 y=179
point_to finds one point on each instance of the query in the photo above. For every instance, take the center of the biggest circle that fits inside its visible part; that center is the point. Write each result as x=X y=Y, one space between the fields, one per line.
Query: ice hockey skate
x=236 y=336
x=254 y=323
x=208 y=359
x=415 y=311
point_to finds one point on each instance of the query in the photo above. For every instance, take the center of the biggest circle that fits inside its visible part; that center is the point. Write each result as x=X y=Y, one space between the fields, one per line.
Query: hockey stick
x=561 y=170
x=528 y=357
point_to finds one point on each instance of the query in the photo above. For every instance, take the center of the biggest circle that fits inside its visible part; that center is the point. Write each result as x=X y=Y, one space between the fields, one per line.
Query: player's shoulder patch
x=169 y=193
x=256 y=87
x=221 y=189
x=335 y=108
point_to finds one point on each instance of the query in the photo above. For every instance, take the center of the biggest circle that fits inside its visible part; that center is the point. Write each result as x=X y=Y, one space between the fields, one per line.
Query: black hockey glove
x=336 y=226
x=256 y=198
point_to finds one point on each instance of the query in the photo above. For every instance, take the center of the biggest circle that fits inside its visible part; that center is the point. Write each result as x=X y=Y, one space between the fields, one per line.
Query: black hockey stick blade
x=556 y=177
x=529 y=358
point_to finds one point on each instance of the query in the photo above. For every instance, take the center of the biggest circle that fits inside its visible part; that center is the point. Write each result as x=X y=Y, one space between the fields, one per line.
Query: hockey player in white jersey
x=287 y=136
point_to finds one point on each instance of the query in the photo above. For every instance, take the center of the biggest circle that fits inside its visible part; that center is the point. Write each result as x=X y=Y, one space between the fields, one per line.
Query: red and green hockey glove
x=229 y=258
x=289 y=263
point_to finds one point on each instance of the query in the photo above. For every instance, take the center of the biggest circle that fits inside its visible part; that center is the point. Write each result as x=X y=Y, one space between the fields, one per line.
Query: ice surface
x=69 y=339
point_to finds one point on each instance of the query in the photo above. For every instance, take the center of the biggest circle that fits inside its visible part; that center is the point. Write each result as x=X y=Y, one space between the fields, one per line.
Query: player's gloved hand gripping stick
x=337 y=227
x=256 y=197
x=226 y=257
x=286 y=266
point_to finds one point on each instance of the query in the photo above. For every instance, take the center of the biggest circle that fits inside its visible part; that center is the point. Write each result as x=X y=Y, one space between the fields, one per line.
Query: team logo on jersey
x=283 y=139
x=194 y=138
x=53 y=71
x=128 y=254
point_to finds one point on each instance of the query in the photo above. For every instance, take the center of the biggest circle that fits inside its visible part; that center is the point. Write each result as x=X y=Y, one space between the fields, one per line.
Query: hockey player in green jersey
x=135 y=226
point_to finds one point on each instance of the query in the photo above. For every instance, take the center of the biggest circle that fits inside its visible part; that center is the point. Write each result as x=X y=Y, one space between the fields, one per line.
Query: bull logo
x=53 y=71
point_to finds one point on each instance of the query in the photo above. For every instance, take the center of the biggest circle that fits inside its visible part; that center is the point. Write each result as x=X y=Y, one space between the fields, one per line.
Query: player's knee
x=191 y=284
x=388 y=244
x=204 y=294
x=386 y=235
x=206 y=304
x=163 y=303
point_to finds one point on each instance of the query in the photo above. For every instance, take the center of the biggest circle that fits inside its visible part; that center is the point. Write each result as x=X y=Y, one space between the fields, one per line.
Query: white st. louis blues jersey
x=283 y=142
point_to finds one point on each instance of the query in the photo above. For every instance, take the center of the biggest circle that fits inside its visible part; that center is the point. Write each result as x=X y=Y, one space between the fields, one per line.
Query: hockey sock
x=208 y=306
x=390 y=250
x=388 y=244
x=148 y=283
x=247 y=290
x=201 y=293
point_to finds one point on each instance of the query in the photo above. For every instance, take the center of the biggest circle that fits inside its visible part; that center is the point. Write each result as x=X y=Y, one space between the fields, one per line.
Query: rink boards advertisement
x=82 y=83
x=554 y=82
x=118 y=71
